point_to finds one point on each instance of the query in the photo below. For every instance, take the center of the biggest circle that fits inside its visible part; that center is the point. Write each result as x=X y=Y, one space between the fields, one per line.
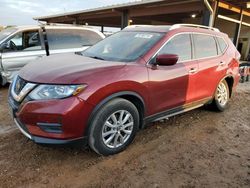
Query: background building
x=230 y=16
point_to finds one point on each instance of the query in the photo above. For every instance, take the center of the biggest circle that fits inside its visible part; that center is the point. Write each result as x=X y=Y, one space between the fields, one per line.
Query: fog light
x=51 y=127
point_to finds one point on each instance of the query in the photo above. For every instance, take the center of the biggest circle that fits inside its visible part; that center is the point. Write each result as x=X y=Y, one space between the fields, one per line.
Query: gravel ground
x=196 y=149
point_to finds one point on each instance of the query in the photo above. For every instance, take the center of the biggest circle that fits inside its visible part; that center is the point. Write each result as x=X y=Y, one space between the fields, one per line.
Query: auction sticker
x=144 y=36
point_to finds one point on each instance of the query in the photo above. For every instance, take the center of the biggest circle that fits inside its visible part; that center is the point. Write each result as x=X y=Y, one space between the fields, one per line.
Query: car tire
x=2 y=81
x=221 y=97
x=113 y=127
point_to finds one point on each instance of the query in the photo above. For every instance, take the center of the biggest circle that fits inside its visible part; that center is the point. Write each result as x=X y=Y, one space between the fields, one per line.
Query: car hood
x=66 y=69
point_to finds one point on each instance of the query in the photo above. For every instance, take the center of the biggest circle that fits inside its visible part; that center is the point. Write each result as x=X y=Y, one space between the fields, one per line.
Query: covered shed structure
x=230 y=16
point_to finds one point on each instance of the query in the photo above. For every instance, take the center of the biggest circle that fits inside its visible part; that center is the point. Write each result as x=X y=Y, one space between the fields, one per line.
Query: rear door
x=63 y=40
x=20 y=49
x=212 y=66
x=172 y=86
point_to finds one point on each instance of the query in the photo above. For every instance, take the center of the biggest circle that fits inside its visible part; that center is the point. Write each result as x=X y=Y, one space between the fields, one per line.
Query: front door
x=24 y=47
x=172 y=86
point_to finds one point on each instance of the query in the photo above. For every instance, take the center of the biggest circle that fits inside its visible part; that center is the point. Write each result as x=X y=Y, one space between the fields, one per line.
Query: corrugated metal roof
x=123 y=5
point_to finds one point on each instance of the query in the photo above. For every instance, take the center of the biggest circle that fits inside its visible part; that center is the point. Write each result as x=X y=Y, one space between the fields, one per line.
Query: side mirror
x=167 y=59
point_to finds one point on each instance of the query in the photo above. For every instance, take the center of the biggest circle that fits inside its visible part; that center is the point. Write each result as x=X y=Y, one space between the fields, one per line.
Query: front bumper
x=52 y=122
x=42 y=140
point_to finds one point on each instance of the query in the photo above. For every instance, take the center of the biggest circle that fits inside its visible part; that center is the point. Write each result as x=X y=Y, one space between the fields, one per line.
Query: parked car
x=139 y=75
x=244 y=72
x=22 y=45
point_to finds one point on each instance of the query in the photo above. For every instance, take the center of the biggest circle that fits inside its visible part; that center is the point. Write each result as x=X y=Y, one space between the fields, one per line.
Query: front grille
x=19 y=85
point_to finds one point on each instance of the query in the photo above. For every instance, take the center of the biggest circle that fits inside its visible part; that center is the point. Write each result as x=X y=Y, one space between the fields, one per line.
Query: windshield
x=6 y=32
x=123 y=46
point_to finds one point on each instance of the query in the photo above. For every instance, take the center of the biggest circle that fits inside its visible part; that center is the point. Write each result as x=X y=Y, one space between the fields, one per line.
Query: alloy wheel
x=222 y=94
x=117 y=129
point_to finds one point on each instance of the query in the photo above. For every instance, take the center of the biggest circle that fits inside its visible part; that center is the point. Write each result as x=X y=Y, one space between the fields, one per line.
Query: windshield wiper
x=95 y=57
x=86 y=45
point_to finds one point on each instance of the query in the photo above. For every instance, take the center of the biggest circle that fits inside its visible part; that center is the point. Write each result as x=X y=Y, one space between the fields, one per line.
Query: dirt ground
x=196 y=149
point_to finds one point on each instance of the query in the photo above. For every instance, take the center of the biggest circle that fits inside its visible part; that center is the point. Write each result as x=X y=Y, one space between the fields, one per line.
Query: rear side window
x=205 y=46
x=222 y=45
x=179 y=45
x=71 y=38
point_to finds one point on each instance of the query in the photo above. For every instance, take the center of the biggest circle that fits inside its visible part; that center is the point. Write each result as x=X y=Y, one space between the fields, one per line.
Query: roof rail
x=62 y=24
x=134 y=26
x=194 y=25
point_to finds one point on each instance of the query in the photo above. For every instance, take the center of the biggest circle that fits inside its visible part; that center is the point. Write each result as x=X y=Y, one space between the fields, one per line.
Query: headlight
x=43 y=92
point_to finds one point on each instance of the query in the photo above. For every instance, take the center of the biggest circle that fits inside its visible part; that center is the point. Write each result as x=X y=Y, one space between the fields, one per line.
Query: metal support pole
x=124 y=19
x=102 y=28
x=238 y=29
x=76 y=21
x=216 y=12
x=206 y=18
x=208 y=14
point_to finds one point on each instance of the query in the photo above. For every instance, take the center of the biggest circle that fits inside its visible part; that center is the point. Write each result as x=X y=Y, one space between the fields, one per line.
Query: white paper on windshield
x=144 y=36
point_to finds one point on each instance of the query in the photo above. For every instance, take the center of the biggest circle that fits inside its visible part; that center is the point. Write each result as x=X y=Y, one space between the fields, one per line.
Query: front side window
x=23 y=41
x=71 y=38
x=205 y=46
x=125 y=46
x=179 y=45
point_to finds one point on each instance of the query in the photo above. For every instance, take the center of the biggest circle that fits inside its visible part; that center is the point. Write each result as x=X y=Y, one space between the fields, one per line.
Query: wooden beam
x=110 y=14
x=171 y=9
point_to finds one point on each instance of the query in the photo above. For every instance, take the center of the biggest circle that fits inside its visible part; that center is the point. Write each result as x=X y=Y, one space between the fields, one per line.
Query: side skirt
x=175 y=111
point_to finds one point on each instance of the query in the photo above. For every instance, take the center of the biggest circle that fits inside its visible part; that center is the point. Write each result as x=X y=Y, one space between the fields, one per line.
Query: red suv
x=111 y=90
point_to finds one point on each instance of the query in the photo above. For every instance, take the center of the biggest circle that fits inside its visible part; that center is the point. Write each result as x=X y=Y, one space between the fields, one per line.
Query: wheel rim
x=222 y=95
x=117 y=129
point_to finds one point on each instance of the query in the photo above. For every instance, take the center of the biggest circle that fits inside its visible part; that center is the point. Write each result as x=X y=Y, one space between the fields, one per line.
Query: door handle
x=222 y=63
x=192 y=70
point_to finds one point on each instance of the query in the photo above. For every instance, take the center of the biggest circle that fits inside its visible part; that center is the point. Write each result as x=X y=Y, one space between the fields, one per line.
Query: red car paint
x=160 y=87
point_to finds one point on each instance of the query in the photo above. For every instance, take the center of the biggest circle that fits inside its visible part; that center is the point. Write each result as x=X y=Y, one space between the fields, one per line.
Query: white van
x=24 y=44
